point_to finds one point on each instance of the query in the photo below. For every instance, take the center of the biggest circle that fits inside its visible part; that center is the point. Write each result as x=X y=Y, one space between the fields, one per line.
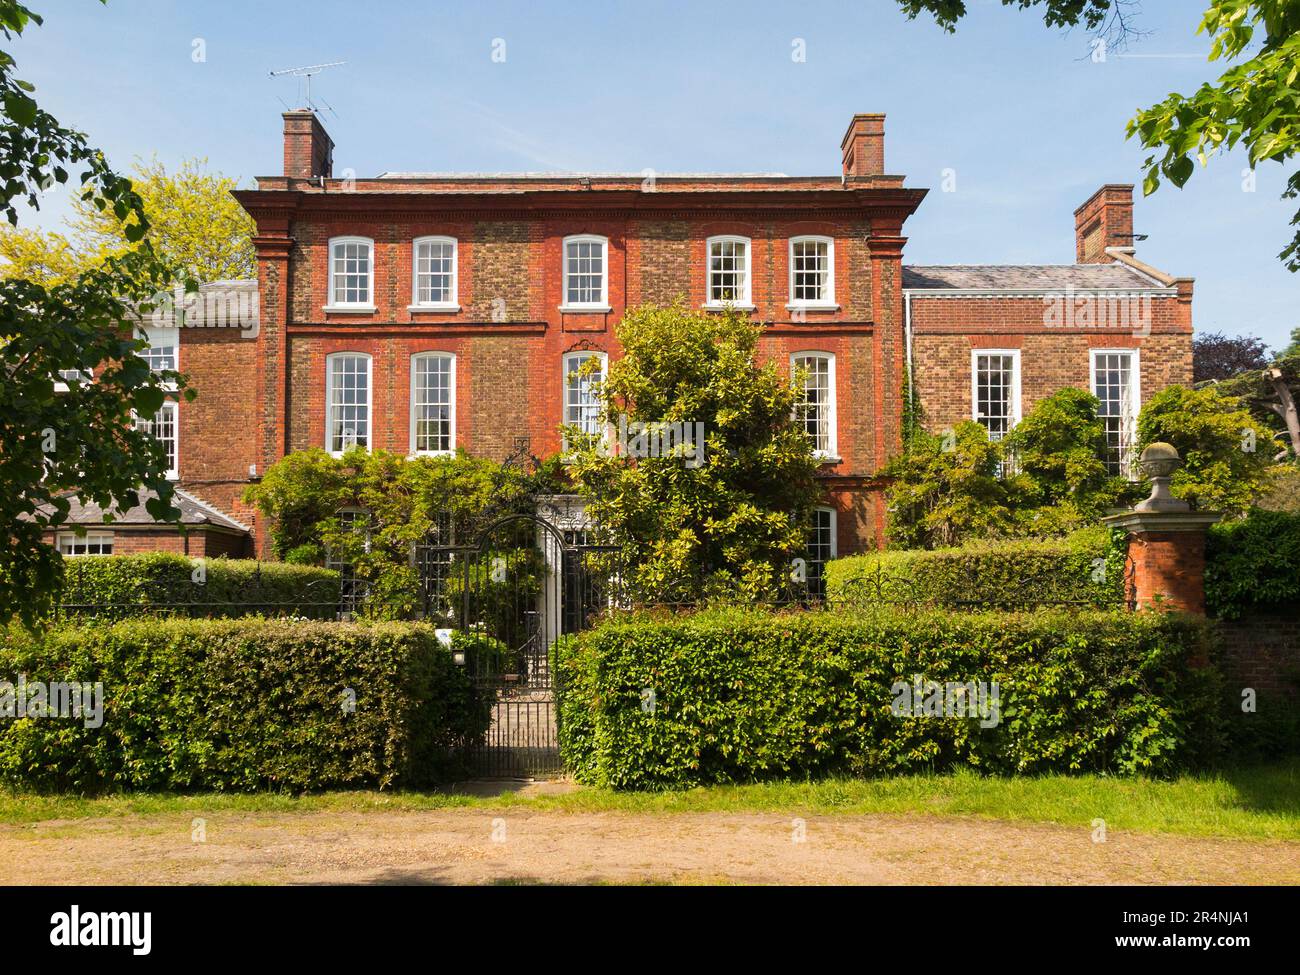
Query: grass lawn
x=1260 y=802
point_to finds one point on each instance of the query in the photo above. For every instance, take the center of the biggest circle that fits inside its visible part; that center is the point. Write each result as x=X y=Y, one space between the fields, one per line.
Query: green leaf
x=148 y=400
x=1180 y=170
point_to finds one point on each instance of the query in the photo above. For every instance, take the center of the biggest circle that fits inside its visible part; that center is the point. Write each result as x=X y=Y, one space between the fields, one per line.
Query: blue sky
x=1028 y=122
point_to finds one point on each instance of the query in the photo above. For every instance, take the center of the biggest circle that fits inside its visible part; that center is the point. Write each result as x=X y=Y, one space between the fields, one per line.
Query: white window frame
x=450 y=358
x=453 y=300
x=361 y=307
x=83 y=377
x=73 y=541
x=827 y=301
x=585 y=306
x=1016 y=409
x=1135 y=398
x=162 y=336
x=172 y=407
x=834 y=546
x=565 y=370
x=157 y=337
x=350 y=514
x=746 y=301
x=329 y=399
x=831 y=452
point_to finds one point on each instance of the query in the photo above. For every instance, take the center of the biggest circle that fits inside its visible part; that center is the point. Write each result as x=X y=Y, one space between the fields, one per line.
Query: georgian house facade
x=422 y=312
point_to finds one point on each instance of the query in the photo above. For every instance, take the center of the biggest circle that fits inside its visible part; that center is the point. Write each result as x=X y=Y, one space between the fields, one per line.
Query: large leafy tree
x=1219 y=356
x=195 y=225
x=42 y=257
x=1056 y=13
x=1254 y=104
x=1272 y=391
x=734 y=522
x=69 y=435
x=1048 y=476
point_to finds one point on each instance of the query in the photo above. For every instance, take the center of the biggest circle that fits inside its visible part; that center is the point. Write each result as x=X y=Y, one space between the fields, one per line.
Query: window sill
x=735 y=306
x=443 y=307
x=350 y=309
x=818 y=307
x=587 y=309
x=430 y=453
x=824 y=458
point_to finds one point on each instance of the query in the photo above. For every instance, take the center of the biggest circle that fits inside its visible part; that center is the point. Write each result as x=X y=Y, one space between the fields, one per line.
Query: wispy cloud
x=502 y=135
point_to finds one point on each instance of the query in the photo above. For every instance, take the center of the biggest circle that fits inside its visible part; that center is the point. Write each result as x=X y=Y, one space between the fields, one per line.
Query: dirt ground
x=519 y=845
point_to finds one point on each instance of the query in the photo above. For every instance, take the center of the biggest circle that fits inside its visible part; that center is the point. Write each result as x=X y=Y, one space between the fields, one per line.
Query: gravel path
x=477 y=846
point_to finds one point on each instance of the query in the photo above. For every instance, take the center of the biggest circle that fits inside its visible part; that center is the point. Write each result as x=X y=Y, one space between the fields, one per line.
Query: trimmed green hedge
x=123 y=581
x=741 y=696
x=1082 y=568
x=242 y=705
x=1252 y=562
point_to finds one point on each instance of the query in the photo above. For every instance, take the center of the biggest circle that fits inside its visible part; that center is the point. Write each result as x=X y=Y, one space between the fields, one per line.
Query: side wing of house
x=988 y=342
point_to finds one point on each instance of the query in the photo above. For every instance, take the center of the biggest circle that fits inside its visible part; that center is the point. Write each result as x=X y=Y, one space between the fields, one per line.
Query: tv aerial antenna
x=306 y=72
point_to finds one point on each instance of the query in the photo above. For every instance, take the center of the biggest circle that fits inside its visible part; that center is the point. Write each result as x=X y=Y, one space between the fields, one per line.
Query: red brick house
x=418 y=312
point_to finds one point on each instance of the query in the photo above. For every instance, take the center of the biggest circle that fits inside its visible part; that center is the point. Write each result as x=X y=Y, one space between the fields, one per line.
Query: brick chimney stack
x=1105 y=220
x=863 y=147
x=308 y=149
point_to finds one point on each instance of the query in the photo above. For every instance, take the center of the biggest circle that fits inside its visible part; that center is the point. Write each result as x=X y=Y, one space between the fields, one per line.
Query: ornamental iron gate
x=511 y=596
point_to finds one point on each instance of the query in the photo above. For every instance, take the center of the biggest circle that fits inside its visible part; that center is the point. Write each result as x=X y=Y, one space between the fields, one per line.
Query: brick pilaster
x=1167 y=552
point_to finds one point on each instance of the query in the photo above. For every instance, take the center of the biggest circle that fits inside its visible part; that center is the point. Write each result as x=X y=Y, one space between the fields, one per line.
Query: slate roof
x=194 y=512
x=1027 y=277
x=229 y=303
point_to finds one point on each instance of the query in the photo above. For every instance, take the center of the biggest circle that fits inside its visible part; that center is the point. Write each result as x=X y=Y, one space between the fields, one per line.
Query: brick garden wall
x=1262 y=650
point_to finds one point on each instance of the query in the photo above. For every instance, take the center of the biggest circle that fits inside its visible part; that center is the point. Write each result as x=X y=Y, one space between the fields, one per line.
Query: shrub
x=297 y=493
x=739 y=696
x=500 y=600
x=945 y=489
x=1084 y=567
x=1226 y=452
x=1252 y=562
x=485 y=655
x=1047 y=476
x=226 y=587
x=1059 y=450
x=308 y=554
x=370 y=508
x=242 y=705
